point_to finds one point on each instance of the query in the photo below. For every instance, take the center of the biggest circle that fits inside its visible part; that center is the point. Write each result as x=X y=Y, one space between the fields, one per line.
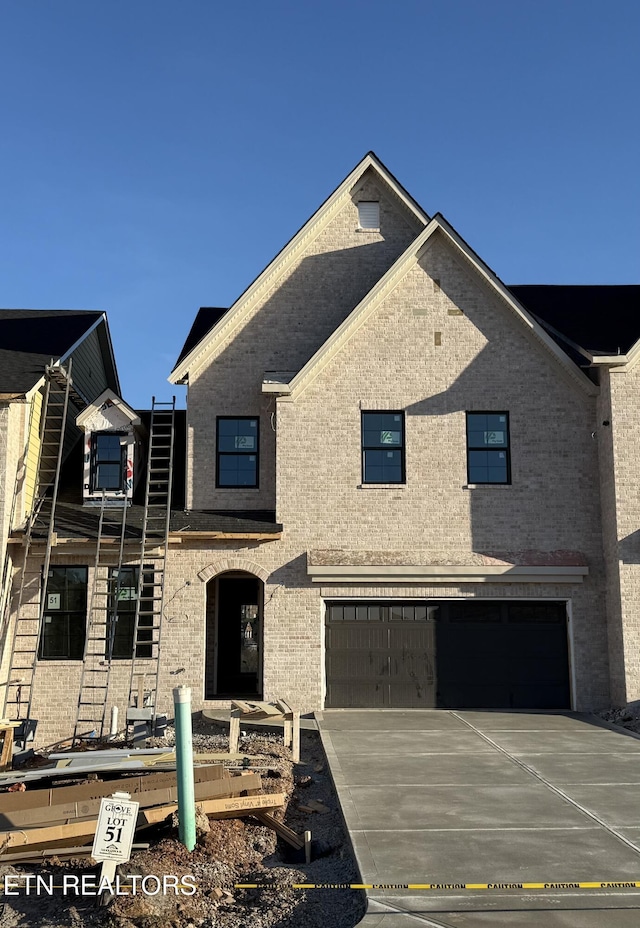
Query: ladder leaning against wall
x=40 y=527
x=145 y=664
x=95 y=680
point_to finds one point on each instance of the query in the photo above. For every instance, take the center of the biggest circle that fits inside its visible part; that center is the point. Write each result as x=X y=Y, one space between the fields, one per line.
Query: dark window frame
x=122 y=648
x=69 y=616
x=236 y=452
x=95 y=462
x=506 y=448
x=381 y=447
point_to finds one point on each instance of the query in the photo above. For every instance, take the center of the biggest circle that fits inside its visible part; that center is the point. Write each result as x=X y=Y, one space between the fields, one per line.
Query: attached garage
x=449 y=654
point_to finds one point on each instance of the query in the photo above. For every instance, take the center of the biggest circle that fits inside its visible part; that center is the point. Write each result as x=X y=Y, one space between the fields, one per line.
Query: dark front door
x=238 y=637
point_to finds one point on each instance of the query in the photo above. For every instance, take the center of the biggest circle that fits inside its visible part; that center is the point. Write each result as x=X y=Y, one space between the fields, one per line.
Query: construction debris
x=49 y=820
x=279 y=711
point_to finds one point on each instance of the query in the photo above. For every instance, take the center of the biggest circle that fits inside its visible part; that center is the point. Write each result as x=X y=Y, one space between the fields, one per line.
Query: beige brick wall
x=286 y=326
x=621 y=525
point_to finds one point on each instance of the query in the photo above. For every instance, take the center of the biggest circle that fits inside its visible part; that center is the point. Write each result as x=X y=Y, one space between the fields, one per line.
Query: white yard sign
x=116 y=826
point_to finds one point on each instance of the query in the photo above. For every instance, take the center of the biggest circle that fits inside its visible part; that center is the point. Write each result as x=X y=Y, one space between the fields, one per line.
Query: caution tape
x=603 y=884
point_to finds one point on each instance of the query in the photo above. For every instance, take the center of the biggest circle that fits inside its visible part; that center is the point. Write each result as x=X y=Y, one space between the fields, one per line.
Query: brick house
x=406 y=483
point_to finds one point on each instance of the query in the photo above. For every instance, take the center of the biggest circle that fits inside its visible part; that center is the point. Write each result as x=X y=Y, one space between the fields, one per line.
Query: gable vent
x=369 y=214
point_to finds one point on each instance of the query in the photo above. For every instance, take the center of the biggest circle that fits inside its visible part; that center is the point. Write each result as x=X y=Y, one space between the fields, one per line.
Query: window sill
x=382 y=486
x=486 y=486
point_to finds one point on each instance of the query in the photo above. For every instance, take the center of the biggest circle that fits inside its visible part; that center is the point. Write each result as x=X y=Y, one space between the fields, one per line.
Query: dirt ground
x=228 y=851
x=628 y=717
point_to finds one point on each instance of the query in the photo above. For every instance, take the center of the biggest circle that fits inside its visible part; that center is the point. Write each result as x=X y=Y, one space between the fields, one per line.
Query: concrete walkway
x=436 y=796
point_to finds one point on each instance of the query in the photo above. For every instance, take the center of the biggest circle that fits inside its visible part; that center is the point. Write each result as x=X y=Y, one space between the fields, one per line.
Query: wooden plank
x=14 y=776
x=295 y=738
x=48 y=835
x=284 y=707
x=61 y=814
x=51 y=834
x=57 y=795
x=287 y=834
x=245 y=805
x=7 y=748
x=234 y=730
x=62 y=852
x=242 y=706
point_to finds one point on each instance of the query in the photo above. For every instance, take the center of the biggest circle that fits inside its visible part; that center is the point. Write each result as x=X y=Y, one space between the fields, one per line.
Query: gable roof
x=204 y=348
x=205 y=320
x=31 y=338
x=602 y=319
x=295 y=386
x=108 y=396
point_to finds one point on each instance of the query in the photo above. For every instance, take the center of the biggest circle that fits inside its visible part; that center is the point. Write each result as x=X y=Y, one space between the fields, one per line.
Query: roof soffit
x=393 y=277
x=205 y=350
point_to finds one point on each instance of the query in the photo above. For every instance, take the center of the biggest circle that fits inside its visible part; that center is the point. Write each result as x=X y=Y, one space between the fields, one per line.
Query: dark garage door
x=457 y=654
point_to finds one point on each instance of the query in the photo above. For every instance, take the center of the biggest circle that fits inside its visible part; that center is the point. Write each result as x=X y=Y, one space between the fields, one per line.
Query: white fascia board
x=621 y=363
x=201 y=352
x=116 y=400
x=507 y=573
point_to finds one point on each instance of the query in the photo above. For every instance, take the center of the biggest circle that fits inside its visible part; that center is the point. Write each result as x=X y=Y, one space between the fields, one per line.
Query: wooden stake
x=307 y=847
x=234 y=730
x=295 y=740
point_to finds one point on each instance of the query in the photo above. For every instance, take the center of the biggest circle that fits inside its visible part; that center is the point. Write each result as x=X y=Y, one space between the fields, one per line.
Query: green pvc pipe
x=184 y=767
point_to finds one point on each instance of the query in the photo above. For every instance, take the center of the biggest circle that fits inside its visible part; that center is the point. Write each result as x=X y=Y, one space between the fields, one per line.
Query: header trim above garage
x=376 y=574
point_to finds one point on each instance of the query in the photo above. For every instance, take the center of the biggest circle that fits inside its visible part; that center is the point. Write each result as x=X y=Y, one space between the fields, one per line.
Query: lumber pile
x=55 y=820
x=278 y=711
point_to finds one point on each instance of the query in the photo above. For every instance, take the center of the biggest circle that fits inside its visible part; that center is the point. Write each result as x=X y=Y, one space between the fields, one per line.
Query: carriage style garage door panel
x=456 y=654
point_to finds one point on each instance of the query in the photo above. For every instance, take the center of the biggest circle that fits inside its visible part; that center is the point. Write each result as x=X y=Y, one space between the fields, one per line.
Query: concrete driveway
x=436 y=796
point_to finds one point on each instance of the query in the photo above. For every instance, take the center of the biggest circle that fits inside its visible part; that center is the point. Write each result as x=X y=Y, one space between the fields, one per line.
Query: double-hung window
x=123 y=597
x=108 y=460
x=237 y=452
x=488 y=447
x=383 y=447
x=65 y=614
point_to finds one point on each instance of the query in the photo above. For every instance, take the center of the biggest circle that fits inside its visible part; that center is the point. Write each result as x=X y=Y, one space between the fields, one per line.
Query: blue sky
x=155 y=155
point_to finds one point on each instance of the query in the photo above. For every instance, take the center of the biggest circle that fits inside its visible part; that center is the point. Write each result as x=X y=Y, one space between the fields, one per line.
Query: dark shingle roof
x=73 y=520
x=203 y=323
x=30 y=338
x=602 y=319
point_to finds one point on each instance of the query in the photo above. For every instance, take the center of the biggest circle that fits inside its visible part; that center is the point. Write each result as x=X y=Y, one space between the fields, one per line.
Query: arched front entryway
x=233 y=667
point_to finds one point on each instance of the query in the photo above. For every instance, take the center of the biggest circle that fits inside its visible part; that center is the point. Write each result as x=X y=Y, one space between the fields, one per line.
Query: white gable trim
x=119 y=403
x=391 y=279
x=205 y=349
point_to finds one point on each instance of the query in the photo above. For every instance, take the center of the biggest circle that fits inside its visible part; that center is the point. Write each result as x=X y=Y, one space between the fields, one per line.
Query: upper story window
x=65 y=614
x=488 y=447
x=237 y=452
x=383 y=447
x=369 y=214
x=108 y=460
